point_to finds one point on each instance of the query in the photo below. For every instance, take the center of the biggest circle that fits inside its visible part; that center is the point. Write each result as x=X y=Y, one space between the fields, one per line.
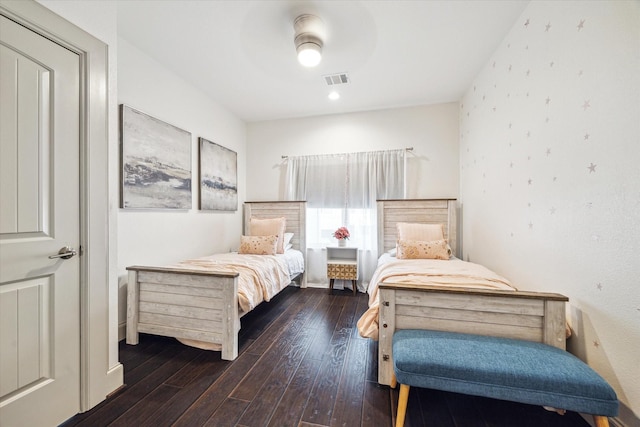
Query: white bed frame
x=531 y=316
x=200 y=305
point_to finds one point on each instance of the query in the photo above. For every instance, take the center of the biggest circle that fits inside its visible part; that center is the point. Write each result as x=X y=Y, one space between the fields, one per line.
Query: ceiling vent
x=336 y=79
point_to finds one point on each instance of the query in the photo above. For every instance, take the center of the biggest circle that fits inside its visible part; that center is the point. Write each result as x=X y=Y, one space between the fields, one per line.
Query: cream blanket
x=453 y=272
x=260 y=276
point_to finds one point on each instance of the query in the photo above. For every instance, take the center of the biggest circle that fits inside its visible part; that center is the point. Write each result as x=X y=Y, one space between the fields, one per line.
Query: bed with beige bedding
x=200 y=301
x=447 y=294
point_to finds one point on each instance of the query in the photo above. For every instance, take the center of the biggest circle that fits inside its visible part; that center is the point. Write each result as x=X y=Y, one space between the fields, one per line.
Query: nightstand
x=342 y=263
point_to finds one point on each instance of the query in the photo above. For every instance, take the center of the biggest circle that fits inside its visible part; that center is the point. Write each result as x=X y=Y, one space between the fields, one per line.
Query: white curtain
x=341 y=190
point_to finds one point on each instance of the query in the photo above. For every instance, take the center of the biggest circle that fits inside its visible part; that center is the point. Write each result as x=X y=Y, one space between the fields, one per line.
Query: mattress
x=451 y=272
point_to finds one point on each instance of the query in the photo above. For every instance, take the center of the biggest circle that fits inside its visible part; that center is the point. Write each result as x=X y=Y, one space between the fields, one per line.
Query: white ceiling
x=396 y=53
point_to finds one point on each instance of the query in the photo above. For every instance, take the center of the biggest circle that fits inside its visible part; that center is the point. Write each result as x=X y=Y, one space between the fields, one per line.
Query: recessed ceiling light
x=334 y=95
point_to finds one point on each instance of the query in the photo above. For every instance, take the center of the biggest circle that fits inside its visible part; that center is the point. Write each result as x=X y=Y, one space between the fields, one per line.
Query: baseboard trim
x=122 y=331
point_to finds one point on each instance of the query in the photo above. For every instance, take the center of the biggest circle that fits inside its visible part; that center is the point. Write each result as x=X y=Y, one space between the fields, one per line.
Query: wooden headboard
x=424 y=211
x=294 y=212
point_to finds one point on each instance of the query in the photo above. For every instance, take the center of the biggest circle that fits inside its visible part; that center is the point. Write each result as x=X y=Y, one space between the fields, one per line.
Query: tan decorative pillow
x=258 y=245
x=269 y=227
x=416 y=249
x=419 y=232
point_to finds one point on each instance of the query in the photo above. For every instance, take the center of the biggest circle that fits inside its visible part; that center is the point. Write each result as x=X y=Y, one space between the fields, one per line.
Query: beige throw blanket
x=453 y=272
x=260 y=276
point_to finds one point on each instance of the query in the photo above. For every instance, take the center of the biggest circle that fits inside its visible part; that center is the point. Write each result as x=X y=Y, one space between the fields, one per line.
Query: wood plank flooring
x=301 y=363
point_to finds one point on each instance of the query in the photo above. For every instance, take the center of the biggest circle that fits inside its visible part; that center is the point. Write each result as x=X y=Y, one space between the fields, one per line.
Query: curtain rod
x=406 y=149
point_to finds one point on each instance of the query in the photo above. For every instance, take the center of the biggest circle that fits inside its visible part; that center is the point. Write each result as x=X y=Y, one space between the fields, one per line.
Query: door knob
x=65 y=252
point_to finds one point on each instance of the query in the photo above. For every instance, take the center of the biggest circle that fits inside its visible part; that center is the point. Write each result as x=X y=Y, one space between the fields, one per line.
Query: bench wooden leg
x=402 y=405
x=601 y=421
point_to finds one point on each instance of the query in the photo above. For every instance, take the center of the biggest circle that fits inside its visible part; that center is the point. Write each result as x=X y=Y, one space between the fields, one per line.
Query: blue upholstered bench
x=500 y=368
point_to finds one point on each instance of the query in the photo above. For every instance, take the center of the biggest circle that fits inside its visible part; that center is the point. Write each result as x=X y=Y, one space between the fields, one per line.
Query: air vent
x=336 y=79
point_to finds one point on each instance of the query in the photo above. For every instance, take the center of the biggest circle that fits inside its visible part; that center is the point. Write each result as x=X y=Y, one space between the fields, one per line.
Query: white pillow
x=287 y=238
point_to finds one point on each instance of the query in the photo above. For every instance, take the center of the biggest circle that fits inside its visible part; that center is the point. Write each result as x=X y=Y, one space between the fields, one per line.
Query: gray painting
x=218 y=177
x=156 y=162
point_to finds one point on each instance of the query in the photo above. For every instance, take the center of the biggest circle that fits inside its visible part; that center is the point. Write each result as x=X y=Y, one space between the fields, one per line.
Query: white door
x=39 y=215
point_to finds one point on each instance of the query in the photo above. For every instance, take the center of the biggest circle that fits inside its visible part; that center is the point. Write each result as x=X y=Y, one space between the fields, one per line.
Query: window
x=341 y=190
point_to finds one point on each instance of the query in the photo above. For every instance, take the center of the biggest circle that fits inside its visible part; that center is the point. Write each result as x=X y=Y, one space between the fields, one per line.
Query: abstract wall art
x=156 y=163
x=218 y=177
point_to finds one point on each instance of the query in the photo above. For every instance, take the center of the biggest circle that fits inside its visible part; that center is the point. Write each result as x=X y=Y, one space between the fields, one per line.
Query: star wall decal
x=586 y=104
x=592 y=167
x=526 y=23
x=596 y=344
x=509 y=67
x=530 y=181
x=599 y=286
x=551 y=64
x=547 y=101
x=548 y=151
x=530 y=225
x=581 y=24
x=586 y=136
x=552 y=210
x=547 y=27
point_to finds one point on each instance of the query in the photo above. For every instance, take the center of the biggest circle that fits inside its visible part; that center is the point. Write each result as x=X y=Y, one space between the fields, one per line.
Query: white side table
x=342 y=263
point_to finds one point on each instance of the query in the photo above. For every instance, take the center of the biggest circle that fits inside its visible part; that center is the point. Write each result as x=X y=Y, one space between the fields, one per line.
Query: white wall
x=164 y=237
x=432 y=131
x=550 y=174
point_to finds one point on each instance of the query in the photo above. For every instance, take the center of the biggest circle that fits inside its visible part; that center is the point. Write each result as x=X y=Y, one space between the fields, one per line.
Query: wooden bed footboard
x=188 y=304
x=531 y=316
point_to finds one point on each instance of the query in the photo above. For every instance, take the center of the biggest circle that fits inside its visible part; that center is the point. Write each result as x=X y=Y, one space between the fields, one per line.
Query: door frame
x=100 y=371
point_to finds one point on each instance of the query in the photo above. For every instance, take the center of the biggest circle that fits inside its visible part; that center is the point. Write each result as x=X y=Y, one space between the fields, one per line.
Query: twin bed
x=448 y=295
x=198 y=301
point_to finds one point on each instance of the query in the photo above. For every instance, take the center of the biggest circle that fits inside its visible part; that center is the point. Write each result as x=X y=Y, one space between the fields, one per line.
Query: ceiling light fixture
x=334 y=95
x=308 y=39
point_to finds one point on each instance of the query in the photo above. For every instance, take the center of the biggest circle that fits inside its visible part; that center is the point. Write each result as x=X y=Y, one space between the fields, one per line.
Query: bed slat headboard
x=294 y=212
x=423 y=211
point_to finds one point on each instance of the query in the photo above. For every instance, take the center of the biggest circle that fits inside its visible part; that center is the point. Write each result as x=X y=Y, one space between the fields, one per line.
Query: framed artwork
x=218 y=177
x=156 y=163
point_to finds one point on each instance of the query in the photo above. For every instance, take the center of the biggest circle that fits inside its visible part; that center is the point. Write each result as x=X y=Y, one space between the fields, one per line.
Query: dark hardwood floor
x=301 y=363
